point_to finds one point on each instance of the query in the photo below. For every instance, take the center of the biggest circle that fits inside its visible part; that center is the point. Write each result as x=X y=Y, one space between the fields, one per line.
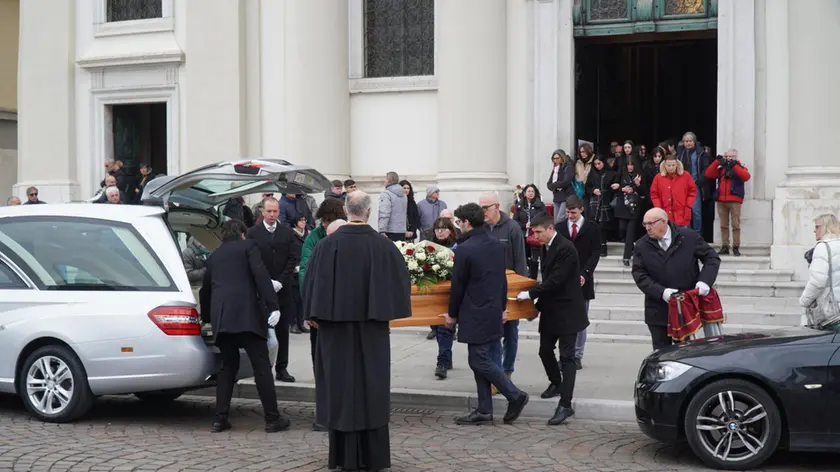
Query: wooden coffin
x=427 y=307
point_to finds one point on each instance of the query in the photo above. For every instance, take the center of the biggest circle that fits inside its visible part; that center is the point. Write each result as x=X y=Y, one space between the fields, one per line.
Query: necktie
x=663 y=244
x=271 y=229
x=574 y=230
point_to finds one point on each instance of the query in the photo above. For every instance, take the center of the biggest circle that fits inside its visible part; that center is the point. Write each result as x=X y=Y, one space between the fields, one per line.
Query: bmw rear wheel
x=53 y=385
x=733 y=424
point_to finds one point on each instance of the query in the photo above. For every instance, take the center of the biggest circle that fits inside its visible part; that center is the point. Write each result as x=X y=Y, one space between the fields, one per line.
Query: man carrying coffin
x=353 y=353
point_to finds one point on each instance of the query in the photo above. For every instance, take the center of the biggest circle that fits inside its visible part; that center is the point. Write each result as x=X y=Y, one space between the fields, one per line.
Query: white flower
x=449 y=264
x=435 y=267
x=412 y=265
x=421 y=256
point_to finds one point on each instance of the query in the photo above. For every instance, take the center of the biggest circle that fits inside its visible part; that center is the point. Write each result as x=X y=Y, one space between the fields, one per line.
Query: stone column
x=215 y=85
x=46 y=97
x=554 y=84
x=520 y=114
x=472 y=122
x=317 y=98
x=812 y=186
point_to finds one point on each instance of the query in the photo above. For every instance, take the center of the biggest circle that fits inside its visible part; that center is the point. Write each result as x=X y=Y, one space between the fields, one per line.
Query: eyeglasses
x=487 y=207
x=648 y=224
x=33 y=194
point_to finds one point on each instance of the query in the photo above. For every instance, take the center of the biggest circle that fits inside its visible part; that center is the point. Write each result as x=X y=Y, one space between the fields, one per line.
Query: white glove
x=666 y=294
x=277 y=285
x=702 y=288
x=297 y=269
x=273 y=318
x=523 y=296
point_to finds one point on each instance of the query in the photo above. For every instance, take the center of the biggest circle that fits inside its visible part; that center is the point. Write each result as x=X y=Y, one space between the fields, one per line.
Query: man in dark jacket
x=276 y=242
x=507 y=231
x=696 y=160
x=477 y=301
x=562 y=313
x=236 y=293
x=586 y=236
x=664 y=263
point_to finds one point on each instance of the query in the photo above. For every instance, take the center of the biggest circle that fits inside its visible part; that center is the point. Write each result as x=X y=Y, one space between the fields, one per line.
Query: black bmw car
x=738 y=398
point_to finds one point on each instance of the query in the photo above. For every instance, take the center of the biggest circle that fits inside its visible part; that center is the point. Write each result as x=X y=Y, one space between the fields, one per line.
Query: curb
x=429 y=401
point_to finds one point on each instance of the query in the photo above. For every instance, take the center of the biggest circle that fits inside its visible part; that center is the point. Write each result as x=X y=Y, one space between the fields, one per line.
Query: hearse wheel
x=733 y=424
x=53 y=385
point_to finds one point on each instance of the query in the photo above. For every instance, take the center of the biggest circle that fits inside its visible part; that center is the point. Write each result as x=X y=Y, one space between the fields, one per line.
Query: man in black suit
x=586 y=236
x=477 y=302
x=276 y=243
x=562 y=313
x=237 y=296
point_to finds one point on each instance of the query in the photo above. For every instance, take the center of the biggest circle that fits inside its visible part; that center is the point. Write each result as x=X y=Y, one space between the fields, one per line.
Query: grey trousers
x=580 y=342
x=559 y=212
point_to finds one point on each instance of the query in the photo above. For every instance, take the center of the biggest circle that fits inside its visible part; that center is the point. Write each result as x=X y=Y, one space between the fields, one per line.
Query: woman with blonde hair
x=560 y=182
x=823 y=287
x=674 y=191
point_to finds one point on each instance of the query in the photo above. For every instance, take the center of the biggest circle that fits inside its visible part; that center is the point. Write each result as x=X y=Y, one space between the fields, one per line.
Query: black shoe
x=277 y=425
x=284 y=376
x=603 y=251
x=561 y=414
x=319 y=428
x=515 y=408
x=626 y=262
x=294 y=330
x=440 y=372
x=578 y=364
x=303 y=329
x=220 y=425
x=474 y=418
x=736 y=251
x=724 y=251
x=432 y=334
x=552 y=391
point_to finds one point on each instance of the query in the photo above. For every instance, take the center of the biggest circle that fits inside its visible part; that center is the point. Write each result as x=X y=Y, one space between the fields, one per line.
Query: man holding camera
x=730 y=176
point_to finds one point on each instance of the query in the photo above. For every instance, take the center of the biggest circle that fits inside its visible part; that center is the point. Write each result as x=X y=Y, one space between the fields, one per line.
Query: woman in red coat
x=674 y=191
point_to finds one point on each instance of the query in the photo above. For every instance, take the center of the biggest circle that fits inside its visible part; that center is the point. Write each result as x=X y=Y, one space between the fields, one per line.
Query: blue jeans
x=487 y=372
x=697 y=214
x=509 y=345
x=444 y=341
x=580 y=342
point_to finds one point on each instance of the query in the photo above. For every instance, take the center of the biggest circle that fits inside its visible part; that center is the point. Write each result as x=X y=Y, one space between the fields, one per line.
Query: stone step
x=639 y=328
x=605 y=287
x=724 y=275
x=727 y=262
x=741 y=316
x=729 y=302
x=617 y=249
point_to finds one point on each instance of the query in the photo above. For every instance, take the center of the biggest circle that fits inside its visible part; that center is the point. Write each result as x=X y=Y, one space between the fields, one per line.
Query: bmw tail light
x=176 y=320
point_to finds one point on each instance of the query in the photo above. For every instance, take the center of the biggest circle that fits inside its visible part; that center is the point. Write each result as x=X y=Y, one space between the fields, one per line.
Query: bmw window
x=60 y=253
x=9 y=280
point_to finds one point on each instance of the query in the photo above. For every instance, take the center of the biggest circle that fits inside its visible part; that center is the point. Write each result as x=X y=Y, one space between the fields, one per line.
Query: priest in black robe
x=355 y=283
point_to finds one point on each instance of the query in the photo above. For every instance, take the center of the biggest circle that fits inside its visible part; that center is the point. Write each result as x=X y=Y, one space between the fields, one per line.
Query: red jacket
x=728 y=190
x=675 y=194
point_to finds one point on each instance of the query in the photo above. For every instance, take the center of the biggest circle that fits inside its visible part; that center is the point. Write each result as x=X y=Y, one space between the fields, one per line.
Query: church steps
x=625 y=285
x=727 y=262
x=636 y=328
x=737 y=315
x=724 y=275
x=617 y=249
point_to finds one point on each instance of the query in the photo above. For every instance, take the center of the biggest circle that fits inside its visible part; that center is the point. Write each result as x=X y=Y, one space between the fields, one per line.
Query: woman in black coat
x=627 y=205
x=412 y=213
x=599 y=190
x=529 y=207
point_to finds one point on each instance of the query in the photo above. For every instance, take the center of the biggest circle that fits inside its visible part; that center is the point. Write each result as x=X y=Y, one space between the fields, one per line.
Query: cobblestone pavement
x=122 y=434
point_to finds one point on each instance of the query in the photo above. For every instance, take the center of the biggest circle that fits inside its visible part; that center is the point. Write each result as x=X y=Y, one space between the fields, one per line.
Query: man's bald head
x=358 y=205
x=489 y=202
x=656 y=223
x=333 y=227
x=447 y=213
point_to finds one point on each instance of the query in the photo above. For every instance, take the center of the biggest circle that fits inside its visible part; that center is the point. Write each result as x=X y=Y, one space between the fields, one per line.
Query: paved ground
x=609 y=373
x=122 y=434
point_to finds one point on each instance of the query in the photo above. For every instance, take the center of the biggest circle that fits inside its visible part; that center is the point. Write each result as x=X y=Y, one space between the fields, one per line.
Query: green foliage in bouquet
x=428 y=263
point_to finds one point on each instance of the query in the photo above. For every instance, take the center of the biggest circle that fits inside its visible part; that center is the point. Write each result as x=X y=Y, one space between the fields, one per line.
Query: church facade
x=473 y=95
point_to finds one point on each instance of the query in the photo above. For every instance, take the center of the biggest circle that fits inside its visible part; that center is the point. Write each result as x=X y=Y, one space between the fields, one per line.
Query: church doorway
x=136 y=134
x=646 y=87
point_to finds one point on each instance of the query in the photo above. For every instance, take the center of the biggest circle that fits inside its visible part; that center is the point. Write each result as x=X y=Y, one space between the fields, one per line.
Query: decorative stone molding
x=813 y=178
x=394 y=84
x=131 y=59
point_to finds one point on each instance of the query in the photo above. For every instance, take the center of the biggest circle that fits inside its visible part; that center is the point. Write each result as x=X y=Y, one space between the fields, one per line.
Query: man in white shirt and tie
x=665 y=262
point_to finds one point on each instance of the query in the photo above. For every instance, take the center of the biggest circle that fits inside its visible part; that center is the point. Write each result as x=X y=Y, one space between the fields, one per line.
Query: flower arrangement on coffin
x=428 y=263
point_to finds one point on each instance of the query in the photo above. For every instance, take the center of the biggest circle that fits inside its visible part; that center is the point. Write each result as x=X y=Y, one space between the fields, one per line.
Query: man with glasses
x=665 y=263
x=32 y=196
x=510 y=235
x=257 y=208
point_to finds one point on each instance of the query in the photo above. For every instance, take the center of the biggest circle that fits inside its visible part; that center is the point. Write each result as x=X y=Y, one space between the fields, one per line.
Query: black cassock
x=356 y=282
